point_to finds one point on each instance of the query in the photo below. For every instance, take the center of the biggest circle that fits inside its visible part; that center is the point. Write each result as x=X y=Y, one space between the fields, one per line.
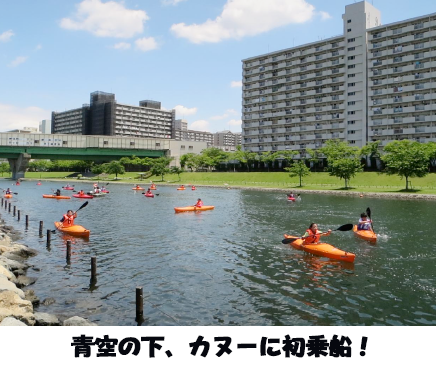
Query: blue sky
x=184 y=53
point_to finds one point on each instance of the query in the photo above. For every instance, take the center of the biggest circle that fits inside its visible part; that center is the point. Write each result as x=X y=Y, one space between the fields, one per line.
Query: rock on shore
x=16 y=305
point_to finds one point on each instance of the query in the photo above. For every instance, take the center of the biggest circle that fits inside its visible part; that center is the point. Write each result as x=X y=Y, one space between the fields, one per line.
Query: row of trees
x=405 y=158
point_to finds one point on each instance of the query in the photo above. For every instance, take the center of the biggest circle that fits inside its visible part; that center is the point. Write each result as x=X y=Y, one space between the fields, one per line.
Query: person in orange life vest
x=68 y=218
x=312 y=235
x=81 y=193
x=182 y=186
x=148 y=191
x=199 y=203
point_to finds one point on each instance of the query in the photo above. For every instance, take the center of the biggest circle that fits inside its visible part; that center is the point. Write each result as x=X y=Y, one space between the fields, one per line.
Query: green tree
x=407 y=159
x=371 y=151
x=98 y=169
x=160 y=166
x=314 y=157
x=189 y=160
x=114 y=167
x=268 y=158
x=299 y=169
x=343 y=160
x=245 y=157
x=176 y=170
x=5 y=168
x=212 y=157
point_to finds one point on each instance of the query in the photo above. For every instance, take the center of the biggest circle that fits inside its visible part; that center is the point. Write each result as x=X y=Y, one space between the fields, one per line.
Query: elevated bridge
x=20 y=148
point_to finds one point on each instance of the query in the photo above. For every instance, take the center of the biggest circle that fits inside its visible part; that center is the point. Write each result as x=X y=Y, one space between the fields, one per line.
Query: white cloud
x=229 y=112
x=109 y=19
x=325 y=15
x=13 y=117
x=200 y=125
x=19 y=60
x=6 y=36
x=182 y=111
x=236 y=84
x=171 y=2
x=122 y=46
x=38 y=47
x=241 y=18
x=235 y=122
x=146 y=44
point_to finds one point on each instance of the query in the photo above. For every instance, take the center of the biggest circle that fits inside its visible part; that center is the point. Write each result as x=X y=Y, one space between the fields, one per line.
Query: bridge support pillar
x=19 y=165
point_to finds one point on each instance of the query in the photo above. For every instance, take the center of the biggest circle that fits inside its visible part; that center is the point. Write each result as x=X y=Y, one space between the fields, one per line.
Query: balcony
x=398 y=109
x=418 y=26
x=420 y=108
x=398 y=120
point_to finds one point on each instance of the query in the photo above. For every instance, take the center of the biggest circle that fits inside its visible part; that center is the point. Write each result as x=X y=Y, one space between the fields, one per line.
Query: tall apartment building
x=227 y=138
x=367 y=84
x=181 y=133
x=104 y=116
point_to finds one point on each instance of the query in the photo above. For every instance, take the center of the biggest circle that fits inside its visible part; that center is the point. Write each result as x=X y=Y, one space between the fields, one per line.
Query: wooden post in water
x=27 y=220
x=41 y=224
x=139 y=305
x=18 y=215
x=68 y=250
x=2 y=201
x=48 y=235
x=93 y=267
x=9 y=207
x=15 y=210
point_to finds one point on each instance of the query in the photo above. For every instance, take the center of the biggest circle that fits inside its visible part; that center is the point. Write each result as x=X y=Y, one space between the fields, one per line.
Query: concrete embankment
x=17 y=305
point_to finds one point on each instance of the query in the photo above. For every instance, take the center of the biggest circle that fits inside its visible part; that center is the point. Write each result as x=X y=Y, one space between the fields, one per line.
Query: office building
x=105 y=116
x=373 y=82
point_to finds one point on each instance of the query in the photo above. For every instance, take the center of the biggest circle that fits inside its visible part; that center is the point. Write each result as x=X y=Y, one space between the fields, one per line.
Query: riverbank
x=17 y=305
x=337 y=192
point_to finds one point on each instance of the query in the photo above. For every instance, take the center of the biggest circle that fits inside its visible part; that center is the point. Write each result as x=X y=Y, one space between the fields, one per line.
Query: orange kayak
x=153 y=187
x=368 y=235
x=76 y=230
x=8 y=196
x=181 y=188
x=192 y=208
x=138 y=189
x=322 y=250
x=56 y=197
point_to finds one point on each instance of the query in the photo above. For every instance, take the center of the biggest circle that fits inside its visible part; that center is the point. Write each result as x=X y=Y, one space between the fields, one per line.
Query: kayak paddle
x=83 y=206
x=346 y=227
x=4 y=190
x=368 y=212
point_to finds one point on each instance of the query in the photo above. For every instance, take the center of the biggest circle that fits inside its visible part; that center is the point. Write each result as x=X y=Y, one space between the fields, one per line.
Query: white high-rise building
x=45 y=126
x=374 y=82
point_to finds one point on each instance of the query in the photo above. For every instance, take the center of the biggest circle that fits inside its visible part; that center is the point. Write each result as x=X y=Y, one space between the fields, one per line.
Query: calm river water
x=228 y=266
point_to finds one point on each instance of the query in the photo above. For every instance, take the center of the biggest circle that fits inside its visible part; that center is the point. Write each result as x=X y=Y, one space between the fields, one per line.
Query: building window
x=351 y=75
x=351 y=40
x=132 y=143
x=351 y=66
x=351 y=48
x=351 y=122
x=182 y=147
x=351 y=57
x=36 y=141
x=105 y=142
x=351 y=93
x=352 y=103
x=352 y=132
x=349 y=21
x=349 y=30
x=64 y=142
x=351 y=112
x=351 y=84
x=191 y=147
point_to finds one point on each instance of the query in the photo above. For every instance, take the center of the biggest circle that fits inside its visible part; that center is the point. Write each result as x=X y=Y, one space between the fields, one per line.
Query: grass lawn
x=362 y=182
